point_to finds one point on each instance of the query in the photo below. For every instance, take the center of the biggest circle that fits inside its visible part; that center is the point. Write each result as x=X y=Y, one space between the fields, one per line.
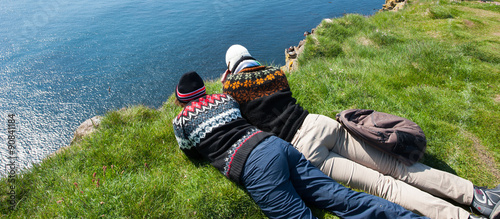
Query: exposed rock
x=393 y=5
x=328 y=20
x=292 y=53
x=86 y=128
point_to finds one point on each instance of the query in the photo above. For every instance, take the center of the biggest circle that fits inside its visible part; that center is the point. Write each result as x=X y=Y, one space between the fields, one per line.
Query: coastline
x=293 y=52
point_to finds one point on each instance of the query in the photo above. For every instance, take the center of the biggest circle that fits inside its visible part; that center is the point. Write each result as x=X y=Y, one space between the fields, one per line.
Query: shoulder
x=207 y=103
x=276 y=71
x=219 y=99
x=254 y=74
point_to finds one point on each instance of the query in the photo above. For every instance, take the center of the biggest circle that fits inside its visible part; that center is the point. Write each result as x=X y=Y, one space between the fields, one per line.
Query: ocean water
x=62 y=62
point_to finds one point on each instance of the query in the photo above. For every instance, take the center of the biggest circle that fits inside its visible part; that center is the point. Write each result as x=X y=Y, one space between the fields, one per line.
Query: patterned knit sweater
x=212 y=128
x=266 y=100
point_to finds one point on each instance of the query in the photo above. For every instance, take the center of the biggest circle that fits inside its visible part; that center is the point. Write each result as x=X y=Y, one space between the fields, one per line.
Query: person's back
x=211 y=127
x=266 y=100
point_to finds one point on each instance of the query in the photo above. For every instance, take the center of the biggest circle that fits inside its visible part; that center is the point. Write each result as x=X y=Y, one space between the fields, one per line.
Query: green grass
x=434 y=63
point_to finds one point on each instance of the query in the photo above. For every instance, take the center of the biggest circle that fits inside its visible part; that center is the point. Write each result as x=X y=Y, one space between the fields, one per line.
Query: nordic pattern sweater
x=266 y=100
x=212 y=128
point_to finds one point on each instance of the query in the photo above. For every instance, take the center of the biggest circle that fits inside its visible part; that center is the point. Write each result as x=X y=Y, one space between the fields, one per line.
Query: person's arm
x=186 y=145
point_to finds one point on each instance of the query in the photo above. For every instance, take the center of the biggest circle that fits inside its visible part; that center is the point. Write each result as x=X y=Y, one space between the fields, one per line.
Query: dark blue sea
x=62 y=62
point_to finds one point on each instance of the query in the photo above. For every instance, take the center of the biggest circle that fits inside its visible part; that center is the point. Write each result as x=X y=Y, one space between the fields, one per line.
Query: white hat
x=234 y=54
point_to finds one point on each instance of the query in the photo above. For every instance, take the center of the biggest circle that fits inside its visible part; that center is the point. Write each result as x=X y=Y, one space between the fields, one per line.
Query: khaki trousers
x=349 y=160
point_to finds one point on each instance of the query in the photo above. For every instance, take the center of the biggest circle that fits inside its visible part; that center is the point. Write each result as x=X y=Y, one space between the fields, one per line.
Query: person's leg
x=323 y=192
x=358 y=176
x=266 y=177
x=320 y=133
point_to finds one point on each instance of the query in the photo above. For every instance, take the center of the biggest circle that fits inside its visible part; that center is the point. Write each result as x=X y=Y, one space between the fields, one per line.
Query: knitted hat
x=190 y=87
x=236 y=54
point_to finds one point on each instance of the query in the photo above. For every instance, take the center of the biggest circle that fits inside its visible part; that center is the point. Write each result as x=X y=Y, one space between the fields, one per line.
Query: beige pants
x=349 y=160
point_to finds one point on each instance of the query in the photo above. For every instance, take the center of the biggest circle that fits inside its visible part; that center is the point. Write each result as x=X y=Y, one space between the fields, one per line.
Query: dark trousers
x=280 y=180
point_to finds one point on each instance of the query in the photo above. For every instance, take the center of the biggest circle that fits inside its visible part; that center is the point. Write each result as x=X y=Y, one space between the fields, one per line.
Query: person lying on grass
x=278 y=177
x=266 y=101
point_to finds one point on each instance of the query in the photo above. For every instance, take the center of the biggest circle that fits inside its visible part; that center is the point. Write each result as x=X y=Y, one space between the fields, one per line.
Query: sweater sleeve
x=187 y=146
